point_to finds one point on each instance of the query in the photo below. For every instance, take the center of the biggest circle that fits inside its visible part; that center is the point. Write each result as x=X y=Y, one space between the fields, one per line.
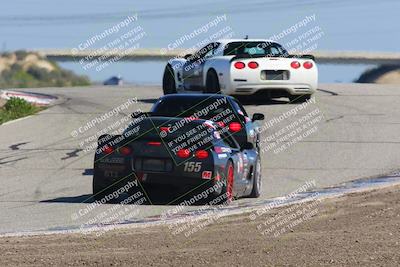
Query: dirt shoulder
x=358 y=229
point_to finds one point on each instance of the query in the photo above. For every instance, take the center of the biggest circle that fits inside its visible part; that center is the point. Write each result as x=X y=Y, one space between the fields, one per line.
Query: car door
x=193 y=68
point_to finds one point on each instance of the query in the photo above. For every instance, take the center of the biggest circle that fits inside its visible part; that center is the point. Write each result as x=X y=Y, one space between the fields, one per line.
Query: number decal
x=192 y=167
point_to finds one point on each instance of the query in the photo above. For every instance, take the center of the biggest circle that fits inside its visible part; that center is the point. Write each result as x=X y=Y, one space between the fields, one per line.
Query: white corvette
x=243 y=67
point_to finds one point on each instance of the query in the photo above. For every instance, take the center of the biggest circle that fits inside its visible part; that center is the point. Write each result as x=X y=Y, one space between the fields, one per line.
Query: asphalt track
x=45 y=175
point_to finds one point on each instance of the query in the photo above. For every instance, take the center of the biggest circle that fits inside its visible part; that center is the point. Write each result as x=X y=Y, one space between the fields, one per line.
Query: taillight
x=295 y=64
x=308 y=65
x=125 y=150
x=108 y=150
x=152 y=143
x=183 y=153
x=201 y=154
x=239 y=65
x=166 y=129
x=253 y=65
x=235 y=127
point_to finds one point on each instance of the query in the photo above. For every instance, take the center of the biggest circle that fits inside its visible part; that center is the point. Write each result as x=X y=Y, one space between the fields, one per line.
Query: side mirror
x=247 y=145
x=258 y=117
x=187 y=56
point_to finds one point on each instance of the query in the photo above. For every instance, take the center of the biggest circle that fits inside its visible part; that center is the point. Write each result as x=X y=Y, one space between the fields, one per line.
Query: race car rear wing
x=245 y=56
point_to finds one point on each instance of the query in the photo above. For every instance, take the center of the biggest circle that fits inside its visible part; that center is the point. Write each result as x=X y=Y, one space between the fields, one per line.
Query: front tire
x=212 y=83
x=169 y=85
x=256 y=191
x=99 y=192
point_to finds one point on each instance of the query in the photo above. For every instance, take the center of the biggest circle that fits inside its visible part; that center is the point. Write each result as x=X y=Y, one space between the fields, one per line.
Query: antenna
x=247 y=37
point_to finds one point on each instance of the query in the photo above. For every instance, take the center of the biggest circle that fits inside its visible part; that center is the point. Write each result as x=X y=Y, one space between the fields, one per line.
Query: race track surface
x=45 y=175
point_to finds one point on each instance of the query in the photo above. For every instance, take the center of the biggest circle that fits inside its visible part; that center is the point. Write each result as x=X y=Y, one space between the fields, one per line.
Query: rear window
x=187 y=107
x=254 y=49
x=183 y=133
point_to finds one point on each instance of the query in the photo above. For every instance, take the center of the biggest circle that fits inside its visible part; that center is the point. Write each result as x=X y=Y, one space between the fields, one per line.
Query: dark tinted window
x=188 y=106
x=254 y=49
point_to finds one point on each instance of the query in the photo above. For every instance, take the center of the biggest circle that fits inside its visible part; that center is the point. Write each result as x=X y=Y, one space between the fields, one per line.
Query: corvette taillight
x=253 y=65
x=308 y=65
x=239 y=65
x=295 y=64
x=183 y=153
x=125 y=151
x=166 y=129
x=201 y=154
x=108 y=150
x=235 y=127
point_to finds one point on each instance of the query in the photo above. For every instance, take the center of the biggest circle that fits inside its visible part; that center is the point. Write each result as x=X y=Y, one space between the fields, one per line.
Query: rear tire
x=99 y=192
x=224 y=195
x=169 y=86
x=299 y=98
x=212 y=83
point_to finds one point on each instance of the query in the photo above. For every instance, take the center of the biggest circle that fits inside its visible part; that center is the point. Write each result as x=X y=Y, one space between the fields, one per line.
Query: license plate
x=156 y=165
x=275 y=75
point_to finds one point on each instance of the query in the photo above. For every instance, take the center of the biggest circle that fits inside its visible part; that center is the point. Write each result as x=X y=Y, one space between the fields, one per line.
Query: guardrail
x=324 y=57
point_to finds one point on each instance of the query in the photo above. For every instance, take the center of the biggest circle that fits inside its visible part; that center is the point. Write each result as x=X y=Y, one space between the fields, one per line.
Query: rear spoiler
x=302 y=56
x=246 y=56
x=138 y=114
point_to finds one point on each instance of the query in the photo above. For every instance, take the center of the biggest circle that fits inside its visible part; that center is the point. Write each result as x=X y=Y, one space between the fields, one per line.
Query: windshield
x=254 y=49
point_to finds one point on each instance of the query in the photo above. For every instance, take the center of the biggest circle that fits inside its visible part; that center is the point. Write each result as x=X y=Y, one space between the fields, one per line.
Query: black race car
x=186 y=152
x=226 y=111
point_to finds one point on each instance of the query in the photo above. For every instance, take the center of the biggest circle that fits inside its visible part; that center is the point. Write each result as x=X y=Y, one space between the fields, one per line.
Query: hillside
x=23 y=69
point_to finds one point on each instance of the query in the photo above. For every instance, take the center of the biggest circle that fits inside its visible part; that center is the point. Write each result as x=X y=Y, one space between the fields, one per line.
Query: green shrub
x=16 y=108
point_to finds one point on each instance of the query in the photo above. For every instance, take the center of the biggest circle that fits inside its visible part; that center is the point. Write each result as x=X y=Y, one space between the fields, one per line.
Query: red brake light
x=154 y=143
x=108 y=150
x=201 y=154
x=307 y=65
x=166 y=129
x=295 y=64
x=235 y=127
x=125 y=150
x=239 y=65
x=253 y=65
x=183 y=153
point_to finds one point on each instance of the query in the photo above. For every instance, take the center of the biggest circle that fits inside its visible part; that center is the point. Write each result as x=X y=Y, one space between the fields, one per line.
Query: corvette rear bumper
x=289 y=88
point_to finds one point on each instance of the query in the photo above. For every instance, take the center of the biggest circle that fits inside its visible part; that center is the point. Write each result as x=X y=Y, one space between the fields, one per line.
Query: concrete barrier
x=34 y=98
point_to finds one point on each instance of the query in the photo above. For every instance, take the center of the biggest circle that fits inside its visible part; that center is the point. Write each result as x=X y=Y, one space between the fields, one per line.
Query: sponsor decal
x=206 y=175
x=217 y=135
x=226 y=149
x=222 y=156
